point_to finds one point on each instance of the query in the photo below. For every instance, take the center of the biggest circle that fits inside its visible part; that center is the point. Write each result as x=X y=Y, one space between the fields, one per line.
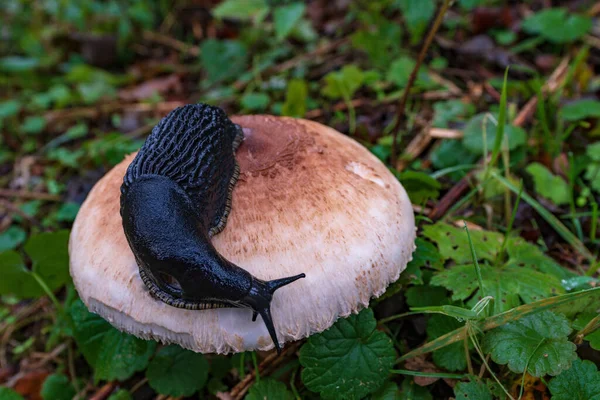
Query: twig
x=413 y=76
x=7 y=205
x=271 y=361
x=29 y=195
x=165 y=40
x=441 y=133
x=104 y=391
x=414 y=148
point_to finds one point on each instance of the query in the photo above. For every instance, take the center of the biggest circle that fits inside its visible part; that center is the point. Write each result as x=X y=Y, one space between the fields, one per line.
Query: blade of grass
x=558 y=226
x=475 y=263
x=499 y=320
x=441 y=375
x=501 y=123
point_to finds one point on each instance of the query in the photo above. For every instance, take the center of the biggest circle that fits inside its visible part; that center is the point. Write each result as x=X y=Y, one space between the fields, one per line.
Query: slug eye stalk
x=259 y=299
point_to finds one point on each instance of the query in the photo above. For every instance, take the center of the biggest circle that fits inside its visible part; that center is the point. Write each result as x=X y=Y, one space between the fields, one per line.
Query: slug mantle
x=308 y=200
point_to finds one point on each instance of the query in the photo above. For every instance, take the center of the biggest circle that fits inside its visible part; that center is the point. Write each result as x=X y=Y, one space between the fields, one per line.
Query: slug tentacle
x=176 y=195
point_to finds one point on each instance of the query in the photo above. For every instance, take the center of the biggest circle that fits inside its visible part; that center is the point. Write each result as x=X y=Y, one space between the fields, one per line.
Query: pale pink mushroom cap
x=309 y=199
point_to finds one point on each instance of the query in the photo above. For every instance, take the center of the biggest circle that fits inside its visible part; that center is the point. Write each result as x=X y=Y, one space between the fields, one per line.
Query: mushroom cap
x=308 y=199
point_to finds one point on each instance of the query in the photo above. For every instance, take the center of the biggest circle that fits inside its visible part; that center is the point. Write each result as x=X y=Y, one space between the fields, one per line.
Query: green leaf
x=426 y=296
x=389 y=391
x=381 y=40
x=295 y=98
x=548 y=185
x=400 y=70
x=33 y=125
x=112 y=353
x=223 y=59
x=474 y=130
x=526 y=254
x=581 y=321
x=67 y=212
x=177 y=372
x=50 y=258
x=122 y=394
x=448 y=111
x=412 y=391
x=592 y=172
x=9 y=108
x=581 y=109
x=286 y=17
x=9 y=394
x=453 y=242
x=351 y=351
x=240 y=9
x=580 y=382
x=545 y=23
x=417 y=14
x=451 y=357
x=269 y=388
x=344 y=83
x=255 y=101
x=537 y=342
x=506 y=284
x=11 y=238
x=16 y=279
x=419 y=186
x=474 y=390
x=57 y=387
x=18 y=64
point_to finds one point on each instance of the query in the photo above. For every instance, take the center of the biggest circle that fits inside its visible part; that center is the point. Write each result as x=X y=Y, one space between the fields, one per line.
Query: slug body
x=175 y=196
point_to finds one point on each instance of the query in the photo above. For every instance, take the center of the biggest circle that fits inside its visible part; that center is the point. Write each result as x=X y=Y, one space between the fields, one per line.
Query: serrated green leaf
x=417 y=14
x=295 y=99
x=57 y=387
x=548 y=185
x=269 y=388
x=177 y=372
x=506 y=284
x=223 y=59
x=580 y=382
x=350 y=360
x=451 y=357
x=453 y=242
x=112 y=353
x=537 y=342
x=482 y=125
x=545 y=23
x=526 y=254
x=389 y=391
x=581 y=109
x=11 y=238
x=286 y=17
x=474 y=390
x=9 y=394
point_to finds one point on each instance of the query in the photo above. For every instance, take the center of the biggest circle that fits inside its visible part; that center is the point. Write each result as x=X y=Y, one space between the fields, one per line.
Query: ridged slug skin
x=176 y=194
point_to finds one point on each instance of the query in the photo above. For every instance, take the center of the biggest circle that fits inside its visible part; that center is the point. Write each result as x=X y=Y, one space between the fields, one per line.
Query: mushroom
x=308 y=200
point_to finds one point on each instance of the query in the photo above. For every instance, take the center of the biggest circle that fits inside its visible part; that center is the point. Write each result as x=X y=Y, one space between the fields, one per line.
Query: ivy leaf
x=350 y=360
x=269 y=388
x=506 y=283
x=177 y=372
x=9 y=394
x=295 y=99
x=343 y=83
x=223 y=59
x=451 y=357
x=537 y=342
x=581 y=109
x=57 y=387
x=112 y=353
x=548 y=185
x=417 y=14
x=581 y=321
x=545 y=23
x=474 y=390
x=286 y=17
x=482 y=125
x=580 y=382
x=453 y=242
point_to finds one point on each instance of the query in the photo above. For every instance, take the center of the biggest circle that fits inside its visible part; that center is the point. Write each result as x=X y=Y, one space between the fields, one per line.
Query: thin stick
x=23 y=194
x=413 y=75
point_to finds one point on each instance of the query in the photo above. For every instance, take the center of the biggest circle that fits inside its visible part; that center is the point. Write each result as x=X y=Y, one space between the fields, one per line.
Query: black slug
x=176 y=195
